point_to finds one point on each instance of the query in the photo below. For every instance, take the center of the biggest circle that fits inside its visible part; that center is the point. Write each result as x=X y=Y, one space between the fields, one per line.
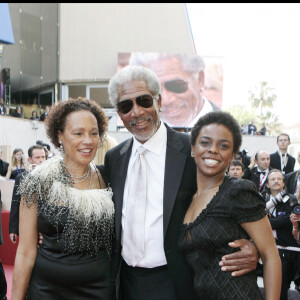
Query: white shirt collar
x=155 y=143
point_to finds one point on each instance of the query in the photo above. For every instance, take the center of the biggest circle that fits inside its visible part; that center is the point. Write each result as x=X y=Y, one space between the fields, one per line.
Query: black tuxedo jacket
x=275 y=162
x=15 y=205
x=179 y=187
x=291 y=181
x=1 y=237
x=3 y=167
x=282 y=224
x=254 y=176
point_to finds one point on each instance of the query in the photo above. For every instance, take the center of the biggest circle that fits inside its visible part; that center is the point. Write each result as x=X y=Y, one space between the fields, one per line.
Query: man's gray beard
x=145 y=137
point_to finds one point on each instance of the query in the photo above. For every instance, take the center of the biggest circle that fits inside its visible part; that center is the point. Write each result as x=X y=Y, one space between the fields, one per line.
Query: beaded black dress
x=73 y=261
x=15 y=173
x=205 y=241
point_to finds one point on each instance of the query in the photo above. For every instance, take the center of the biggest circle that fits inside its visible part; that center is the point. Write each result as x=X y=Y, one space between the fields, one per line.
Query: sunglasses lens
x=177 y=86
x=145 y=101
x=125 y=106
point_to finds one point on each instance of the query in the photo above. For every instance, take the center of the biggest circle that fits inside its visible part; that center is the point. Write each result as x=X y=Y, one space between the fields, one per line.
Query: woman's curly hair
x=56 y=119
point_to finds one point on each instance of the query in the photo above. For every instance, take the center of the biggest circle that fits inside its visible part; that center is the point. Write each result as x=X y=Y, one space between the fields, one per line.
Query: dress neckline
x=208 y=206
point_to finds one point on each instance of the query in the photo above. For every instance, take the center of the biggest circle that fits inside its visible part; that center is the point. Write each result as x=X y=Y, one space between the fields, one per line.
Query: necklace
x=81 y=178
x=19 y=170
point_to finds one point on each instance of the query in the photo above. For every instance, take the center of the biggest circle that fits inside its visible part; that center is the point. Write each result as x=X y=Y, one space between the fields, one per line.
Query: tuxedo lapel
x=174 y=167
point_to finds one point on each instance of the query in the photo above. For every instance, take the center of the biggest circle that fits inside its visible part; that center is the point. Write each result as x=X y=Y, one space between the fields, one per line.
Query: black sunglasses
x=177 y=86
x=125 y=106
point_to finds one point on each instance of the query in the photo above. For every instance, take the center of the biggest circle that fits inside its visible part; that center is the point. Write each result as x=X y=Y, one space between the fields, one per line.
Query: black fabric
x=15 y=205
x=79 y=279
x=275 y=162
x=147 y=284
x=289 y=259
x=289 y=263
x=59 y=275
x=3 y=283
x=3 y=167
x=15 y=173
x=254 y=176
x=291 y=181
x=205 y=241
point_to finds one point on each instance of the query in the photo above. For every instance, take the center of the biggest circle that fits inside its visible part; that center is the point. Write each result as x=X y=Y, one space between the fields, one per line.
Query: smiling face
x=79 y=138
x=213 y=150
x=141 y=122
x=178 y=108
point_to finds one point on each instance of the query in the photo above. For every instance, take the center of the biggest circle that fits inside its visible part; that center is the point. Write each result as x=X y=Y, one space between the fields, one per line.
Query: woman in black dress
x=18 y=164
x=66 y=200
x=222 y=210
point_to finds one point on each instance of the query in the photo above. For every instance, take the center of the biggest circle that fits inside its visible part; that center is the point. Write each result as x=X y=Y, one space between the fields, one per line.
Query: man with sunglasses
x=161 y=271
x=182 y=80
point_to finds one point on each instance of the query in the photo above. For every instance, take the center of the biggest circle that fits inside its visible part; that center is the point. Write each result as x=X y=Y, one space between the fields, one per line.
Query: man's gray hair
x=131 y=73
x=191 y=63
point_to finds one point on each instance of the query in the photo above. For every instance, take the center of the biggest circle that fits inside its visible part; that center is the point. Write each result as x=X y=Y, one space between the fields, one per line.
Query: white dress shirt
x=207 y=107
x=155 y=160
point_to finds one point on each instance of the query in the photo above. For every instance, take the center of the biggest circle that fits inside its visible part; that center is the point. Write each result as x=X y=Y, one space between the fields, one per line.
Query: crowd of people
x=251 y=129
x=5 y=110
x=168 y=215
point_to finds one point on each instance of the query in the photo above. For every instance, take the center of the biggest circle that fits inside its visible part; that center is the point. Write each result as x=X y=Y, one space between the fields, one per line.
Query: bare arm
x=8 y=172
x=261 y=234
x=26 y=252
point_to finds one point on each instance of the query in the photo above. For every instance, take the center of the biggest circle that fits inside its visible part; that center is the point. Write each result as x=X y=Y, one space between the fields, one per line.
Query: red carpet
x=8 y=269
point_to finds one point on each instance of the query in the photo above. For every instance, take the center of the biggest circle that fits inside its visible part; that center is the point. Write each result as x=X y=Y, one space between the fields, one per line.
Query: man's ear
x=159 y=102
x=201 y=80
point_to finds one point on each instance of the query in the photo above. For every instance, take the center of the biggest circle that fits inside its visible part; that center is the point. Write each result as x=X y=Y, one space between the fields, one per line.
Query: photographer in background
x=243 y=157
x=280 y=205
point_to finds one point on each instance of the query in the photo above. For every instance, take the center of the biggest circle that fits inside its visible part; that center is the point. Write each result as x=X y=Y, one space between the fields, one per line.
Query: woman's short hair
x=131 y=73
x=220 y=118
x=56 y=120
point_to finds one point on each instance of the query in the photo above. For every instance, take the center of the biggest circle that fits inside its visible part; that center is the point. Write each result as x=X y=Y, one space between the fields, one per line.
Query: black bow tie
x=282 y=155
x=263 y=172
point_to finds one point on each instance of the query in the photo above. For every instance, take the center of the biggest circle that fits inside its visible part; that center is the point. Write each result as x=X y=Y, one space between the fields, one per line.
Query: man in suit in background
x=3 y=165
x=292 y=180
x=36 y=155
x=280 y=159
x=259 y=173
x=160 y=271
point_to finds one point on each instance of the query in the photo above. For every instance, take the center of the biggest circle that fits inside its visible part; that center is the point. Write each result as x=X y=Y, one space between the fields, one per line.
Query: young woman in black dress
x=224 y=209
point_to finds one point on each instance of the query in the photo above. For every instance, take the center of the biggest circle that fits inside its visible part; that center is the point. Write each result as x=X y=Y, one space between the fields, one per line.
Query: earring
x=61 y=149
x=192 y=154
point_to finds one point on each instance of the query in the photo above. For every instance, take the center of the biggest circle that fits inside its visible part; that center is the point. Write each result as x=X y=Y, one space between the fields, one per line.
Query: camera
x=242 y=155
x=296 y=209
x=283 y=196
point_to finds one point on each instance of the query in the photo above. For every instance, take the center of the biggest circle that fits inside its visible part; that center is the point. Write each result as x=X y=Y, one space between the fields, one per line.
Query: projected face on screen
x=181 y=92
x=183 y=84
